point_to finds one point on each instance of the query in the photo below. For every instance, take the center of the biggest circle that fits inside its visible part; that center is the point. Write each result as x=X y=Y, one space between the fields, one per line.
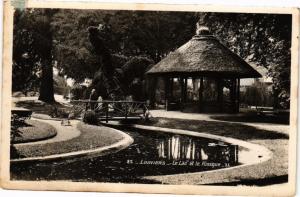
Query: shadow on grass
x=257 y=182
x=34 y=131
x=255 y=118
x=234 y=130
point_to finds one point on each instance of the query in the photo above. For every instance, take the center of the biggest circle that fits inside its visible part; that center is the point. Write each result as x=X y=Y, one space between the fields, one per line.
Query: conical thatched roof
x=204 y=55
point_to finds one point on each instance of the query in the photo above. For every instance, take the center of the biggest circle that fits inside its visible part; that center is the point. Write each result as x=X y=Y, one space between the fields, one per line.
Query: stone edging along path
x=82 y=154
x=254 y=153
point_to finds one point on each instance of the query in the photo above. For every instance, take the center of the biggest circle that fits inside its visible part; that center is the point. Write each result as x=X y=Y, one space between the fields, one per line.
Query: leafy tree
x=44 y=35
x=133 y=38
x=73 y=51
x=134 y=81
x=151 y=33
x=113 y=82
x=257 y=94
x=126 y=34
x=25 y=62
x=264 y=39
x=33 y=51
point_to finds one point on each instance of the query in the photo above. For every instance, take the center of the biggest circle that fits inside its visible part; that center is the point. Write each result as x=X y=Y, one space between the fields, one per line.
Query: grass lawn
x=42 y=107
x=91 y=137
x=234 y=130
x=252 y=116
x=34 y=130
x=272 y=171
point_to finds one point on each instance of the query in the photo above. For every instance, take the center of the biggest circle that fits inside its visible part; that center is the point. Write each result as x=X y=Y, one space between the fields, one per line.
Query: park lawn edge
x=91 y=137
x=36 y=131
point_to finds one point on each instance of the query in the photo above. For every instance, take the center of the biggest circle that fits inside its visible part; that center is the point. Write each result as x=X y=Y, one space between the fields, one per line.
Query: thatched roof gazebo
x=207 y=72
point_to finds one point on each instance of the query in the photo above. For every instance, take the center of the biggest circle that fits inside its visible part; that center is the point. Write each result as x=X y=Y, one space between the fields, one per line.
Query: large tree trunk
x=44 y=43
x=46 y=87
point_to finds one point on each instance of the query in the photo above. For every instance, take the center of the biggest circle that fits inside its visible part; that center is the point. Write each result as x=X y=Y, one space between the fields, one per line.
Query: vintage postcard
x=149 y=98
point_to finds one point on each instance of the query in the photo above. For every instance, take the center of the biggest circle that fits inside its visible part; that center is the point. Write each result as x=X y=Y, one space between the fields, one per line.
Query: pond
x=152 y=153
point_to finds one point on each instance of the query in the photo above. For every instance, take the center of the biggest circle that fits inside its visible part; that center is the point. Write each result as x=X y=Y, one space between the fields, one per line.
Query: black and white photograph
x=153 y=97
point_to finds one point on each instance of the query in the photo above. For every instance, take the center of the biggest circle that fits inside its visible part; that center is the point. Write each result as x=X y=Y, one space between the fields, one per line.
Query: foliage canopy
x=45 y=36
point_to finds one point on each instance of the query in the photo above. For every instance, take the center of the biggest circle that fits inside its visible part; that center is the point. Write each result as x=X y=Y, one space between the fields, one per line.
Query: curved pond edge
x=254 y=153
x=83 y=154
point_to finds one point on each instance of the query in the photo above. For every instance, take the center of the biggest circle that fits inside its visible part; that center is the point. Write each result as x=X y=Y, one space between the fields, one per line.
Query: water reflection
x=196 y=149
x=152 y=153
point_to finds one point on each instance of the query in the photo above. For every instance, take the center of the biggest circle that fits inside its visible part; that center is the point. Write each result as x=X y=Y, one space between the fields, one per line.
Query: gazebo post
x=166 y=82
x=232 y=94
x=220 y=94
x=238 y=95
x=185 y=89
x=181 y=93
x=171 y=87
x=201 y=94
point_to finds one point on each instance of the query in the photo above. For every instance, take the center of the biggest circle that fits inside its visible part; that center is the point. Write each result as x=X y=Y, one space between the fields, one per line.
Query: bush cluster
x=90 y=117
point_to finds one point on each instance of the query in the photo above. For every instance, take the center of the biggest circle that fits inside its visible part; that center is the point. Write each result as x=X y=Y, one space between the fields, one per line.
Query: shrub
x=78 y=91
x=16 y=122
x=258 y=94
x=90 y=117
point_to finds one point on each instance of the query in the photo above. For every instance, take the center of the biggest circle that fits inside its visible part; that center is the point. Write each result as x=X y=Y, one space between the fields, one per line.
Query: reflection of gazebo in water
x=207 y=74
